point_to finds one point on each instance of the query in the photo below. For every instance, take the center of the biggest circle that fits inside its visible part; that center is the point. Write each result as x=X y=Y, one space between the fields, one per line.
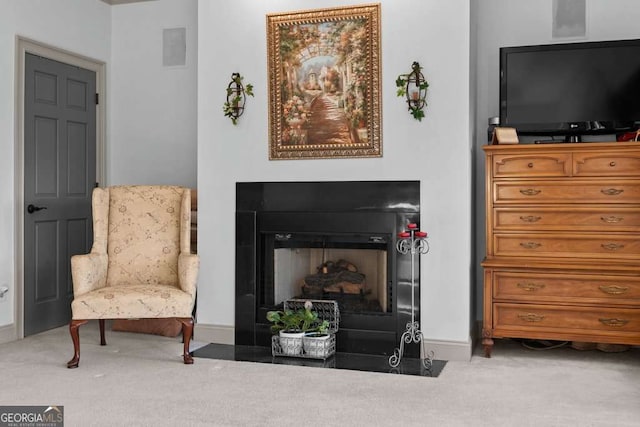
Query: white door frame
x=24 y=46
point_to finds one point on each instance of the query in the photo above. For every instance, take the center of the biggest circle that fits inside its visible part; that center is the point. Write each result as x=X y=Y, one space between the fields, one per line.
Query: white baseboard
x=218 y=334
x=450 y=350
x=8 y=333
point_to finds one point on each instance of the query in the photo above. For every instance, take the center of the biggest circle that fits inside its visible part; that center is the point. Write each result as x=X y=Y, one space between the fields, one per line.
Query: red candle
x=412 y=226
x=404 y=235
x=421 y=234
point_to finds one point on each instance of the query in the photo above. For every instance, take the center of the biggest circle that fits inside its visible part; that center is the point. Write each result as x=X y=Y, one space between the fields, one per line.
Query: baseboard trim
x=218 y=334
x=450 y=350
x=8 y=333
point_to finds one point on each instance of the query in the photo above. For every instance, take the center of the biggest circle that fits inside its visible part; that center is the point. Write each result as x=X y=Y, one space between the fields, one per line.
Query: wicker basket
x=314 y=348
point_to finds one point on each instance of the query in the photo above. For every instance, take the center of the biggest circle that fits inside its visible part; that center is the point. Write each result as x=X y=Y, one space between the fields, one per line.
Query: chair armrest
x=188 y=266
x=89 y=272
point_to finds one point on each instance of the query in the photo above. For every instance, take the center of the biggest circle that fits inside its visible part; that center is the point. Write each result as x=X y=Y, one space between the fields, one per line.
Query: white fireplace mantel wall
x=436 y=151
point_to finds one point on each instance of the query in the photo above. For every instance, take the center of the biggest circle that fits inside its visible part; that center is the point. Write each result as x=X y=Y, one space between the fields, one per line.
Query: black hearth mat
x=352 y=361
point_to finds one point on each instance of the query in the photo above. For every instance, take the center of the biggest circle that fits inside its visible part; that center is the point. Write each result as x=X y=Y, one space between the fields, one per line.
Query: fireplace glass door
x=352 y=269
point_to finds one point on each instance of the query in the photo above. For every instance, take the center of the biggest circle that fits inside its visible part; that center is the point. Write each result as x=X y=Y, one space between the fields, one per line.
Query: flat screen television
x=571 y=88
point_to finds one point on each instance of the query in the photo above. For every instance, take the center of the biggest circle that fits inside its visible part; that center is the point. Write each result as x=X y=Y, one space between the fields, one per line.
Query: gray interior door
x=59 y=175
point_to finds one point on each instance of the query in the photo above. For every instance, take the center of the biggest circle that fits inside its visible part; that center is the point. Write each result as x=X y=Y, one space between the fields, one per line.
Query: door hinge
x=97 y=98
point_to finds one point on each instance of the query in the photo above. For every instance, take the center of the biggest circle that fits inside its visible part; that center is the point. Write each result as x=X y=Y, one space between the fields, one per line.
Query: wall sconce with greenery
x=236 y=98
x=413 y=86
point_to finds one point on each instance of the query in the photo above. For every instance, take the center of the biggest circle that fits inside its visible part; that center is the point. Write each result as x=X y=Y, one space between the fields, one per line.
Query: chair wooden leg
x=102 y=340
x=187 y=333
x=75 y=337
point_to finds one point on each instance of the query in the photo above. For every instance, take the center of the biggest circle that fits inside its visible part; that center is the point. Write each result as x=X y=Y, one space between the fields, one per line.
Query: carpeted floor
x=139 y=380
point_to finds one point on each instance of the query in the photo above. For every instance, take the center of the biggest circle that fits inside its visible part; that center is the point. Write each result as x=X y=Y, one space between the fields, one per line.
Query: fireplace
x=326 y=240
x=351 y=268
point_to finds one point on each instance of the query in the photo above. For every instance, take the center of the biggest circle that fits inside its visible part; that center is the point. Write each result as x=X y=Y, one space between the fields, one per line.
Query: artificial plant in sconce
x=413 y=86
x=236 y=98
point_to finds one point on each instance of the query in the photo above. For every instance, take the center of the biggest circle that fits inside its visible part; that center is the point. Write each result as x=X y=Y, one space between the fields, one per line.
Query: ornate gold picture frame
x=324 y=83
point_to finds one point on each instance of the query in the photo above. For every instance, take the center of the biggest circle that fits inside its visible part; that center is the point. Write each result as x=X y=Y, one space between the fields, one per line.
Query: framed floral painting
x=324 y=83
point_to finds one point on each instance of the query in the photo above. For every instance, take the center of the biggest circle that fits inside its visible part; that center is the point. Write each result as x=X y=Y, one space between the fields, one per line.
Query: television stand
x=562 y=256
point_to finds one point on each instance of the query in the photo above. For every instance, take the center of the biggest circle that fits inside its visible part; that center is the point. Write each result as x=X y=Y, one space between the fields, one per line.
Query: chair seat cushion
x=133 y=302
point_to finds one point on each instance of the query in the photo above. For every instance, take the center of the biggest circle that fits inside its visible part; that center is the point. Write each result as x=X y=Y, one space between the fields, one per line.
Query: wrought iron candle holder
x=415 y=242
x=236 y=98
x=413 y=86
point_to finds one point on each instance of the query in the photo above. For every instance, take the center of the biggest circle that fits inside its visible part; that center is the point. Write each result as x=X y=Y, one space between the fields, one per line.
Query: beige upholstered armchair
x=140 y=265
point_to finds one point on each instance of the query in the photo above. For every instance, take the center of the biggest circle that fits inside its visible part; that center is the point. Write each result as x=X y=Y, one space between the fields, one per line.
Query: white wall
x=153 y=108
x=79 y=26
x=523 y=22
x=436 y=151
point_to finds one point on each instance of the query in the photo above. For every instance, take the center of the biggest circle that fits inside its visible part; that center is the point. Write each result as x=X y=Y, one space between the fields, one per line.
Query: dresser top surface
x=565 y=146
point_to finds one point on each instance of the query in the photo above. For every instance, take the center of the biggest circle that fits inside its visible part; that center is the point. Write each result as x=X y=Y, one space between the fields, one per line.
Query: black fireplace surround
x=352 y=214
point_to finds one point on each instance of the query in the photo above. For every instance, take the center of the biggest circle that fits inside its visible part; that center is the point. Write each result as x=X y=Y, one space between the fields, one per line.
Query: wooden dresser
x=563 y=243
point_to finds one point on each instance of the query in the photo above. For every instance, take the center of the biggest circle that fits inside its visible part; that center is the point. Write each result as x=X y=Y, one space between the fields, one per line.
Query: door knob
x=32 y=208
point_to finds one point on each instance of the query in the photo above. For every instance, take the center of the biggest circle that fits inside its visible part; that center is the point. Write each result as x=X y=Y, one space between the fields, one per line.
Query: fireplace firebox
x=349 y=268
x=326 y=240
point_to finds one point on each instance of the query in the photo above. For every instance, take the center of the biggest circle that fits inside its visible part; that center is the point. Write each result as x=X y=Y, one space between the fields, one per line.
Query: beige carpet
x=139 y=380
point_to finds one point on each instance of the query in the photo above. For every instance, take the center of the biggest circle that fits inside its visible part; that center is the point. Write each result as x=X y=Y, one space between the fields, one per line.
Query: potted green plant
x=293 y=325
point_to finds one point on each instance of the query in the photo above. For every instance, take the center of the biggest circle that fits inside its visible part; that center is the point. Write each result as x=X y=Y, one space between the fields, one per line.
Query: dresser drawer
x=549 y=317
x=567 y=219
x=620 y=191
x=532 y=165
x=607 y=164
x=623 y=246
x=531 y=287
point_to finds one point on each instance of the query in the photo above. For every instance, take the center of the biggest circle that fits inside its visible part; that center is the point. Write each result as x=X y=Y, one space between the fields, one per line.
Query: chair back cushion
x=143 y=241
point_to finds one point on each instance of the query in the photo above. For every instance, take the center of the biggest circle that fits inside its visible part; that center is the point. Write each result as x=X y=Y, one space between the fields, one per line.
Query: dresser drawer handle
x=613 y=289
x=611 y=219
x=612 y=246
x=532 y=317
x=530 y=165
x=530 y=218
x=611 y=191
x=530 y=192
x=616 y=323
x=530 y=245
x=612 y=164
x=530 y=287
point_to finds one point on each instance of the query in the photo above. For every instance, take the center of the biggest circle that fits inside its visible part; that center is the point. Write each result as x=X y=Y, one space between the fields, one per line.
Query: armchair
x=140 y=265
